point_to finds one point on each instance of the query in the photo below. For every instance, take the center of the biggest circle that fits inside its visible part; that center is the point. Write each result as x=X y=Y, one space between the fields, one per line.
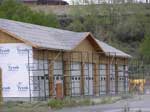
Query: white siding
x=14 y=65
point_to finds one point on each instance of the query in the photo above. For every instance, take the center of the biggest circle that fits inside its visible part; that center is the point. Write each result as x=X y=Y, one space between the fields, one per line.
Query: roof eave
x=18 y=38
x=119 y=56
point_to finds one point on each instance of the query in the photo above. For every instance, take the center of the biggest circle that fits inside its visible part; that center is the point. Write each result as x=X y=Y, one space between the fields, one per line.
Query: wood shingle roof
x=51 y=38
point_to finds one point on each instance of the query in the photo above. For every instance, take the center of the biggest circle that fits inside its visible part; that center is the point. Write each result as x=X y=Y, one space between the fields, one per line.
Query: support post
x=107 y=79
x=51 y=78
x=82 y=79
x=124 y=76
x=116 y=78
x=67 y=78
x=96 y=79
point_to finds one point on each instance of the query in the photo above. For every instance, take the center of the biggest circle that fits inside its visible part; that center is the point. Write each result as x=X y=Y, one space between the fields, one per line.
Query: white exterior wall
x=14 y=59
x=14 y=65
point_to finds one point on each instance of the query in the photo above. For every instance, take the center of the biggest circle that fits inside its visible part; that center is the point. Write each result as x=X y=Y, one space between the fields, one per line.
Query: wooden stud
x=1 y=95
x=82 y=78
x=66 y=78
x=77 y=58
x=85 y=46
x=96 y=79
x=107 y=79
x=116 y=78
x=91 y=39
x=51 y=78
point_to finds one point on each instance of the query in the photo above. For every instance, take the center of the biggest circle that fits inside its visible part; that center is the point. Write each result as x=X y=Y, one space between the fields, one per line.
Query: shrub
x=55 y=103
x=106 y=100
x=14 y=10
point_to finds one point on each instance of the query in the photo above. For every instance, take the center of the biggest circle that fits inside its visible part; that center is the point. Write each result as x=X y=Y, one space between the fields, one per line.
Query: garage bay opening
x=80 y=73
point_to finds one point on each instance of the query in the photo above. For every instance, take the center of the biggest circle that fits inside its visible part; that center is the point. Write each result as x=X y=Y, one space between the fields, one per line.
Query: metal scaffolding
x=81 y=74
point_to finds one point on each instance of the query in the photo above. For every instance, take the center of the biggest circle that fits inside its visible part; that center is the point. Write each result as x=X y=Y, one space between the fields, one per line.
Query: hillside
x=66 y=9
x=123 y=26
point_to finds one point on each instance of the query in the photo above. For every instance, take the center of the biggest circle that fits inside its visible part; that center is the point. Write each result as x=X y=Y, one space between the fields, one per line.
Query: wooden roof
x=42 y=37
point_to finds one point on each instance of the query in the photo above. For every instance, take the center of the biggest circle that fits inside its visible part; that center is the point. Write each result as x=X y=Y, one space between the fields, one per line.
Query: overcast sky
x=70 y=1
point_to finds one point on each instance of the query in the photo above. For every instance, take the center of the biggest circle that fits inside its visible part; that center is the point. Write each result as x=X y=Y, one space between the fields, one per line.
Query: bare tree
x=147 y=1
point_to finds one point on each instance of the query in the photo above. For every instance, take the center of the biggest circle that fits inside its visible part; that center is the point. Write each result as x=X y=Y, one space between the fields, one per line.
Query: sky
x=69 y=1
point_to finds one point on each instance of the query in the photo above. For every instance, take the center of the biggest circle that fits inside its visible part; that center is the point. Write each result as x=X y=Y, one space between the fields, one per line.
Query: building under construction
x=34 y=58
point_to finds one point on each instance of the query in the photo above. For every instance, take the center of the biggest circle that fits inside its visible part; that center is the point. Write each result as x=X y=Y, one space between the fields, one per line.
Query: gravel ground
x=139 y=102
x=135 y=104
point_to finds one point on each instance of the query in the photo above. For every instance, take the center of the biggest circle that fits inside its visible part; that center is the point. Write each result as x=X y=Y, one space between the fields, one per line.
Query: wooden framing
x=116 y=78
x=82 y=79
x=18 y=38
x=107 y=79
x=87 y=51
x=88 y=48
x=51 y=78
x=77 y=57
x=66 y=78
x=96 y=79
x=5 y=38
x=90 y=43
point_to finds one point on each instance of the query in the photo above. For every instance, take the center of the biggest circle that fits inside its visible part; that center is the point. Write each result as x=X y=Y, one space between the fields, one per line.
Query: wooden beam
x=91 y=39
x=5 y=38
x=96 y=79
x=82 y=79
x=18 y=38
x=66 y=78
x=51 y=78
x=116 y=78
x=107 y=79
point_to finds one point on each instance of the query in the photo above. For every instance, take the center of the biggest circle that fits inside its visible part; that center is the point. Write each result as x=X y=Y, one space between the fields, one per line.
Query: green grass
x=25 y=107
x=57 y=104
x=47 y=106
x=127 y=96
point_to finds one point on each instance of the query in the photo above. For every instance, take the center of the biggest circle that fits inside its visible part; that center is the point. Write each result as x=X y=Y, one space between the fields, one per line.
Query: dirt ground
x=139 y=103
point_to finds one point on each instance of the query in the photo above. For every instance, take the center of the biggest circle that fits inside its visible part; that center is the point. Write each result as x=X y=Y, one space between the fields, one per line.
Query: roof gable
x=42 y=37
x=6 y=38
x=17 y=38
x=88 y=44
x=111 y=51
